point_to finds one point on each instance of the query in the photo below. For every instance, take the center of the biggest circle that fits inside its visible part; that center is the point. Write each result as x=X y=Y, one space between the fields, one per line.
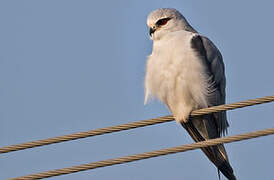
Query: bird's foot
x=182 y=113
x=182 y=119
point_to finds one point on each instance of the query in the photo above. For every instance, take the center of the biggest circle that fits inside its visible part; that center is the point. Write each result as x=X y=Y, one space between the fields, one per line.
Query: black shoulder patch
x=198 y=46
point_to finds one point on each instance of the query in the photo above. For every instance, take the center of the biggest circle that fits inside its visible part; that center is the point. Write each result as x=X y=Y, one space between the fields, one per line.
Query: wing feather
x=211 y=57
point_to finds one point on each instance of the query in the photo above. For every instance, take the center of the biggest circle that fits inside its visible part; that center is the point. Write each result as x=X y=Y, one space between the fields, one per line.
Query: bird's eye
x=162 y=22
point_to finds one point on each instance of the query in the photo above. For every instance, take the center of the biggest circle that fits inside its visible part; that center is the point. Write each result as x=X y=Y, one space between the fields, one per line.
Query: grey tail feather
x=219 y=175
x=210 y=152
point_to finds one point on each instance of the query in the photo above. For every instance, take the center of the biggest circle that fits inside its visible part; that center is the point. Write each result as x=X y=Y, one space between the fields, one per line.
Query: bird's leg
x=183 y=116
x=181 y=111
x=188 y=117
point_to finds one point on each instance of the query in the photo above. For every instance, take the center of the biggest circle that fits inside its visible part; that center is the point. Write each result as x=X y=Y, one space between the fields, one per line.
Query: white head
x=163 y=21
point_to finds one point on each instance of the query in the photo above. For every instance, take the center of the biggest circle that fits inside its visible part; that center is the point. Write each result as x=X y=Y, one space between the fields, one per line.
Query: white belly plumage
x=176 y=76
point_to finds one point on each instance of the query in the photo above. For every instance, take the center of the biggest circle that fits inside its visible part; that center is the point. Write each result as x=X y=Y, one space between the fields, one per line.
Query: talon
x=182 y=119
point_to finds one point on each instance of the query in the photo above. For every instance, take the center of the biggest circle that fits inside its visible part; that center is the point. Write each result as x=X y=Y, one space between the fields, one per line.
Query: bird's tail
x=227 y=170
x=216 y=154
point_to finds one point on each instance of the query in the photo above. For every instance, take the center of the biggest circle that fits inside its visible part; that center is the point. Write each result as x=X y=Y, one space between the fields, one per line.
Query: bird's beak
x=151 y=31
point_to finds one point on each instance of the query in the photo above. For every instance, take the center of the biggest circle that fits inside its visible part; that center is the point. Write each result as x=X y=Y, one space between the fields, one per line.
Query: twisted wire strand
x=132 y=125
x=147 y=155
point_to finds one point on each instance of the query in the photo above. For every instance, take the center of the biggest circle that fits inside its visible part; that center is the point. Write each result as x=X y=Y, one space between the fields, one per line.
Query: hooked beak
x=151 y=31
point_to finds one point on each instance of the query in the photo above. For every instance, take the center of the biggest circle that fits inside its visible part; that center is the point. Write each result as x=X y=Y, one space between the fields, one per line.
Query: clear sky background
x=74 y=65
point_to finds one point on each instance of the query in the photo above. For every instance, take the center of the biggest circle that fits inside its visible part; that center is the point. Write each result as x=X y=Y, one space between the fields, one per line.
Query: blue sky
x=69 y=66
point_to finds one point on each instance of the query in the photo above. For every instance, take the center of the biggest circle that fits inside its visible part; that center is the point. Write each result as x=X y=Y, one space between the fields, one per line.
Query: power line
x=132 y=125
x=146 y=155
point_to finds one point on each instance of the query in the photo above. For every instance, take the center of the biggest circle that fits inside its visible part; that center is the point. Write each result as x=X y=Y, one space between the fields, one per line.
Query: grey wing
x=213 y=60
x=211 y=126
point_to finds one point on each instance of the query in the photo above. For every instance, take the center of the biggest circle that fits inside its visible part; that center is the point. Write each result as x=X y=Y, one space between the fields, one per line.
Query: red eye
x=162 y=22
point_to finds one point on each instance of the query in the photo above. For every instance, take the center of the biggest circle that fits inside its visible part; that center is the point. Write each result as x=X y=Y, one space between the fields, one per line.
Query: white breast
x=176 y=76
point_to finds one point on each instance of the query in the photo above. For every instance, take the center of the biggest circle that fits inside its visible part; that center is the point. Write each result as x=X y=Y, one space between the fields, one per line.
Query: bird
x=186 y=72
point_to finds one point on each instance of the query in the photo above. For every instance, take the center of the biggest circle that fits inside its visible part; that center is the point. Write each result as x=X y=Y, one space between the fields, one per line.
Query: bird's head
x=165 y=20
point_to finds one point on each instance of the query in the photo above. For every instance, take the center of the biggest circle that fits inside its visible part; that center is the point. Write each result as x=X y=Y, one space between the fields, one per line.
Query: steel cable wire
x=147 y=155
x=132 y=125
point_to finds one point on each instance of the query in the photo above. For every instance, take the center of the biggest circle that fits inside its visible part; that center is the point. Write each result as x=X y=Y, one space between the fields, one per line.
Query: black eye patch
x=162 y=22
